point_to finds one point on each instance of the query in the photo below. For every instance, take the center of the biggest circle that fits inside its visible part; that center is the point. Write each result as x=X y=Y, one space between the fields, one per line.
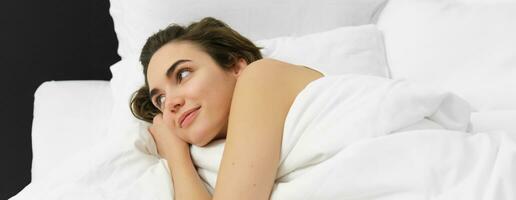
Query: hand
x=166 y=141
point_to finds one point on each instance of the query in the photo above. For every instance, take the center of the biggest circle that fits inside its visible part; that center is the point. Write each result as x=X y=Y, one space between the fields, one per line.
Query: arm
x=260 y=104
x=187 y=183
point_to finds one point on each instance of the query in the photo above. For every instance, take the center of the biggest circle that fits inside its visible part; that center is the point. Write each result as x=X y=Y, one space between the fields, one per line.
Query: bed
x=462 y=46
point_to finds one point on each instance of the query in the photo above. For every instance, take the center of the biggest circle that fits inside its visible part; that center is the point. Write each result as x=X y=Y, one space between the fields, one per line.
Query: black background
x=42 y=41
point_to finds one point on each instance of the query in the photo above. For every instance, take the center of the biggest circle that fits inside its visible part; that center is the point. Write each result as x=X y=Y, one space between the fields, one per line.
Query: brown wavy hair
x=216 y=38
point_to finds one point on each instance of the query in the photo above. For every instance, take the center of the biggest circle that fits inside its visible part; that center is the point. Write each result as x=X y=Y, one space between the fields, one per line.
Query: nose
x=172 y=105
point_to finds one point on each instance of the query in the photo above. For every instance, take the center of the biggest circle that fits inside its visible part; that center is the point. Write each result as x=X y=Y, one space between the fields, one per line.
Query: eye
x=159 y=101
x=179 y=76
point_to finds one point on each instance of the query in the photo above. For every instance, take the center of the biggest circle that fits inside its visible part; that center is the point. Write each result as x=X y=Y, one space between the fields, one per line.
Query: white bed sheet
x=58 y=133
x=494 y=120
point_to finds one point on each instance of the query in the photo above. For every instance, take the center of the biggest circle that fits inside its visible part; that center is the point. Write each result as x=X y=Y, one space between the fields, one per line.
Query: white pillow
x=122 y=165
x=101 y=147
x=352 y=49
x=135 y=20
x=69 y=116
x=465 y=46
x=343 y=50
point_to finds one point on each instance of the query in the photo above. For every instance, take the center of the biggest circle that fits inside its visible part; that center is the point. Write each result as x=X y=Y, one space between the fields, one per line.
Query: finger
x=155 y=119
x=152 y=135
x=151 y=131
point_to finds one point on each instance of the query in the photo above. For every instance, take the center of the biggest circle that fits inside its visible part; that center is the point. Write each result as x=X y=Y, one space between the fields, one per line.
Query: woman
x=206 y=82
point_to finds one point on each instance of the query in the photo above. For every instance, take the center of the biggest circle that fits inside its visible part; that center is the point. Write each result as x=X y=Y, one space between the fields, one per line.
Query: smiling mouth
x=189 y=118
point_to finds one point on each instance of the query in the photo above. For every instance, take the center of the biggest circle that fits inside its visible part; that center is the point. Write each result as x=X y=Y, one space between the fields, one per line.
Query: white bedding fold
x=339 y=143
x=123 y=165
x=345 y=137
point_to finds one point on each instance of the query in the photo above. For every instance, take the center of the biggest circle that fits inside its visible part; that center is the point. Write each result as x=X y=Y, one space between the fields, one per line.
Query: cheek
x=213 y=90
x=195 y=89
x=216 y=99
x=219 y=93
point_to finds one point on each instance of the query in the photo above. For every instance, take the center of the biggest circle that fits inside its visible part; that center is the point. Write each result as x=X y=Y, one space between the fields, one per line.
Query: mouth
x=188 y=117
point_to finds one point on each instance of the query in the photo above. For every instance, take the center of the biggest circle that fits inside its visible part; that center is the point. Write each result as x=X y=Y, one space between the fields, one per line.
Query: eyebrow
x=170 y=70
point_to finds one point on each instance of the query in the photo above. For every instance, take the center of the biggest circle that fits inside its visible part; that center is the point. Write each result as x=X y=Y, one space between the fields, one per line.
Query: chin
x=200 y=143
x=203 y=137
x=200 y=140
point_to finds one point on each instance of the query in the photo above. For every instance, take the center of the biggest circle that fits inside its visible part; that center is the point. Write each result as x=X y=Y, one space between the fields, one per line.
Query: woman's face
x=194 y=81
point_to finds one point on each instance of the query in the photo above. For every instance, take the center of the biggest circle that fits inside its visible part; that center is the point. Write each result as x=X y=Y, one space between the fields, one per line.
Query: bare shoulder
x=281 y=78
x=266 y=66
x=261 y=100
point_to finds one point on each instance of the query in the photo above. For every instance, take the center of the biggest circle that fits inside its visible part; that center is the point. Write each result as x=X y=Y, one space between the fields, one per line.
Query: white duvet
x=364 y=137
x=345 y=137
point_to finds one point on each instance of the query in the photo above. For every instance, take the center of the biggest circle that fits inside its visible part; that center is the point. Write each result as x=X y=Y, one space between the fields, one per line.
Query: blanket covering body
x=365 y=137
x=349 y=136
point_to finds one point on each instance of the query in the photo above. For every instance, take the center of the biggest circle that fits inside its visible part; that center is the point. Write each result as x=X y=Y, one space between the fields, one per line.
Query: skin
x=247 y=106
x=204 y=84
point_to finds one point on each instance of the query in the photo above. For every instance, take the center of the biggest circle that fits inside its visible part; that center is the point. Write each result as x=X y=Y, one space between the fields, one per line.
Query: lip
x=186 y=113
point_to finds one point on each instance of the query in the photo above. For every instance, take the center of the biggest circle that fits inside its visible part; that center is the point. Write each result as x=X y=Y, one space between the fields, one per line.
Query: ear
x=239 y=67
